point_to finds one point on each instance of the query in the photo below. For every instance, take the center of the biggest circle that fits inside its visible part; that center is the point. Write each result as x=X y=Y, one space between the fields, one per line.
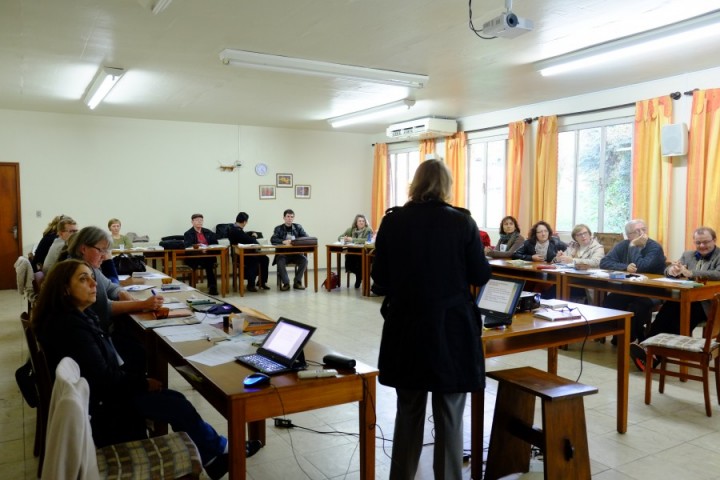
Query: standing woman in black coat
x=431 y=336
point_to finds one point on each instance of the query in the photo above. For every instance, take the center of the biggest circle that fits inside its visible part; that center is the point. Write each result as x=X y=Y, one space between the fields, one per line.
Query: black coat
x=431 y=338
x=190 y=237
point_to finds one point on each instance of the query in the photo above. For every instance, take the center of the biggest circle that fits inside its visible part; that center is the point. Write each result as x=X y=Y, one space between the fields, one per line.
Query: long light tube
x=693 y=29
x=277 y=63
x=371 y=113
x=101 y=85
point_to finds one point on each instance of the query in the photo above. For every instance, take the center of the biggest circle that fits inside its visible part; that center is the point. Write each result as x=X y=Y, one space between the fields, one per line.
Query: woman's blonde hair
x=432 y=181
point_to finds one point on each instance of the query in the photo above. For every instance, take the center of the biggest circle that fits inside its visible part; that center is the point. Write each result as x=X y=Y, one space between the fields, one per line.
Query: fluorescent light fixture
x=277 y=63
x=371 y=113
x=693 y=29
x=101 y=85
x=159 y=6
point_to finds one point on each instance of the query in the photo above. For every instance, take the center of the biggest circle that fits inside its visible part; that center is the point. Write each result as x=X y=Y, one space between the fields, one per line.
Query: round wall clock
x=261 y=169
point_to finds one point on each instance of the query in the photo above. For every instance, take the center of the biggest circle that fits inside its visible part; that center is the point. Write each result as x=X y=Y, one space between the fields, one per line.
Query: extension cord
x=317 y=373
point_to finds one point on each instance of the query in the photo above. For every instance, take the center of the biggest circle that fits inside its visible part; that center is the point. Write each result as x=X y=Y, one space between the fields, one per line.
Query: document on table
x=223 y=352
x=139 y=288
x=187 y=333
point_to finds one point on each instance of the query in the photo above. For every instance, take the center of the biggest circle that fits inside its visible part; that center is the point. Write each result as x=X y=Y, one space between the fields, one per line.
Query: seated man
x=65 y=228
x=284 y=235
x=703 y=263
x=636 y=254
x=237 y=235
x=199 y=235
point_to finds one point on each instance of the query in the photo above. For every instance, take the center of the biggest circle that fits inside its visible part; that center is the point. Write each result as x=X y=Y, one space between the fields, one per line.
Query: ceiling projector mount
x=505 y=25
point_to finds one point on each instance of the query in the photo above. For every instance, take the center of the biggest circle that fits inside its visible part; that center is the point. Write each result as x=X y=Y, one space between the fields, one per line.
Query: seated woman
x=119 y=242
x=540 y=246
x=121 y=398
x=583 y=251
x=360 y=230
x=510 y=239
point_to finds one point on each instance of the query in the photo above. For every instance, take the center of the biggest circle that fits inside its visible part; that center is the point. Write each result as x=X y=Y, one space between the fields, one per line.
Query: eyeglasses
x=583 y=234
x=639 y=231
x=705 y=242
x=103 y=251
x=71 y=231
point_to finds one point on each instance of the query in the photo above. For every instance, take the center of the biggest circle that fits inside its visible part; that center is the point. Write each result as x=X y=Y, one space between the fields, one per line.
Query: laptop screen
x=285 y=342
x=500 y=296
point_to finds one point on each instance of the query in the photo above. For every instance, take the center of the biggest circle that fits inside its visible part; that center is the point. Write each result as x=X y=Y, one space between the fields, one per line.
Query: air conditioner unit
x=423 y=128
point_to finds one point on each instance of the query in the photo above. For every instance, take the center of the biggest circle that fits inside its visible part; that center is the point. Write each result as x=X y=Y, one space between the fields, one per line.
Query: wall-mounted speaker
x=674 y=140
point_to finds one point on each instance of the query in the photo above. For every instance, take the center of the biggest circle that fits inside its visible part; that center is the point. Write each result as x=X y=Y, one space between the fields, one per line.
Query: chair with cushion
x=70 y=452
x=681 y=350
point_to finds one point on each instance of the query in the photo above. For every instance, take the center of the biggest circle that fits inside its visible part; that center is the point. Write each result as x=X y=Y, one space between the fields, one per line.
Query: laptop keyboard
x=261 y=363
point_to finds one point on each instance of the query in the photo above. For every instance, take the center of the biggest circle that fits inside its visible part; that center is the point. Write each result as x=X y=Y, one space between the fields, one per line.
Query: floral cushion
x=169 y=456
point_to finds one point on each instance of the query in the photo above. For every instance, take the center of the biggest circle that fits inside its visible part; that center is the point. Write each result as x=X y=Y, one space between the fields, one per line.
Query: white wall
x=154 y=174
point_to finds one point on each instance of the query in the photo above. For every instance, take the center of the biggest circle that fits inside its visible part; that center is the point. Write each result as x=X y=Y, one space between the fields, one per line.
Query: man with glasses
x=701 y=264
x=65 y=228
x=637 y=254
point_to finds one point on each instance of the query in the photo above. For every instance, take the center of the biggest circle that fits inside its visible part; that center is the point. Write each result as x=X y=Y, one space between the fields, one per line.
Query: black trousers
x=668 y=318
x=208 y=264
x=641 y=308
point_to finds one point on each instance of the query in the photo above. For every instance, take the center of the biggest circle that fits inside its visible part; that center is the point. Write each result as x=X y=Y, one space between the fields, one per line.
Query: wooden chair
x=70 y=450
x=43 y=382
x=687 y=351
x=608 y=240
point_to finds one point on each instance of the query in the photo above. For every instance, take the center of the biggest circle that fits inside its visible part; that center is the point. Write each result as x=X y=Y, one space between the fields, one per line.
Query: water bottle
x=369 y=239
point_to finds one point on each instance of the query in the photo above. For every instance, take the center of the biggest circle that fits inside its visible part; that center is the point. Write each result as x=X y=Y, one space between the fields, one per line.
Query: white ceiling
x=51 y=49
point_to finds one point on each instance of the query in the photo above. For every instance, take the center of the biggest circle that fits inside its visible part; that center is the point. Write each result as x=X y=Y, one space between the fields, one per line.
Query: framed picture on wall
x=284 y=180
x=302 y=191
x=267 y=192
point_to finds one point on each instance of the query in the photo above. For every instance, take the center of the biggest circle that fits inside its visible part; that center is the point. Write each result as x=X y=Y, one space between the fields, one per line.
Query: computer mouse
x=256 y=379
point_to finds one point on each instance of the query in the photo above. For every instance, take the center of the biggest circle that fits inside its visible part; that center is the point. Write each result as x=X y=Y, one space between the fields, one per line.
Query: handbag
x=334 y=281
x=127 y=264
x=305 y=241
x=25 y=378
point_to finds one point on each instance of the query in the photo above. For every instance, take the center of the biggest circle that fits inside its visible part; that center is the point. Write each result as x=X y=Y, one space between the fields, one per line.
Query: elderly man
x=637 y=254
x=199 y=235
x=703 y=263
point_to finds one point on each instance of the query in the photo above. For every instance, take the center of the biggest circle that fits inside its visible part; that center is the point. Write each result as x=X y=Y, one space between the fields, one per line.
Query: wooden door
x=10 y=223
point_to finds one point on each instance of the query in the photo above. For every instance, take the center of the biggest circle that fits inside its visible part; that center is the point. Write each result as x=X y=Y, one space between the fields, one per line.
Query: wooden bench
x=563 y=436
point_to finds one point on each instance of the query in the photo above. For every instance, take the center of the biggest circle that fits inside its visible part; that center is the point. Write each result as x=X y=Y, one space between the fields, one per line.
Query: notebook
x=282 y=349
x=498 y=300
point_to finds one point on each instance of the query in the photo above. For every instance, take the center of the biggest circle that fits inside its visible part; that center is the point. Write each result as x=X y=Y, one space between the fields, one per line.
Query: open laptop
x=498 y=300
x=282 y=350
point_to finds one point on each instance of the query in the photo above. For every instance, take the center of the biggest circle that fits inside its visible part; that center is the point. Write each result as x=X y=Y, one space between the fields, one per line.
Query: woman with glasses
x=540 y=246
x=583 y=251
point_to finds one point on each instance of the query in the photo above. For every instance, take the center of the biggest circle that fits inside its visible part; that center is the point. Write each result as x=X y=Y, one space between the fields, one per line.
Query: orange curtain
x=456 y=160
x=426 y=147
x=379 y=185
x=516 y=152
x=703 y=170
x=652 y=174
x=544 y=204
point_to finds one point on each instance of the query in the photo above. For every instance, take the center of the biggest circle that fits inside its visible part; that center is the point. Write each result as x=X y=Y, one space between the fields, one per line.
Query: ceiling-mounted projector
x=507 y=25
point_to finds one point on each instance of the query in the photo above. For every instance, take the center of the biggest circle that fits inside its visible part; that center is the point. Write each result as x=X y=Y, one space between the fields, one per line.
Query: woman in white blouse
x=583 y=251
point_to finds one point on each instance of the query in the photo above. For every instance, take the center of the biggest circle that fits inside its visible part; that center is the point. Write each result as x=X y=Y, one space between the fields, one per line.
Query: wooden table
x=650 y=288
x=242 y=251
x=528 y=272
x=220 y=253
x=344 y=249
x=222 y=387
x=368 y=257
x=529 y=333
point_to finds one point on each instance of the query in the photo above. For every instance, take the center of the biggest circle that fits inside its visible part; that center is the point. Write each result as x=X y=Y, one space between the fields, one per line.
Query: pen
x=152 y=290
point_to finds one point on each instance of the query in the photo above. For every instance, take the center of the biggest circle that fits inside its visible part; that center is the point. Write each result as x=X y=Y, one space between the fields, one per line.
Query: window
x=402 y=170
x=594 y=176
x=486 y=181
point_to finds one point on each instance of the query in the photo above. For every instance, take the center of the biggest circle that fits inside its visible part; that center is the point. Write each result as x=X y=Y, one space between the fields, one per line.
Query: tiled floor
x=670 y=439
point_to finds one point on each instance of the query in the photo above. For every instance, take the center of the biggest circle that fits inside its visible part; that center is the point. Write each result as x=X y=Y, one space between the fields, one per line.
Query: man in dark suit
x=284 y=234
x=202 y=236
x=238 y=236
